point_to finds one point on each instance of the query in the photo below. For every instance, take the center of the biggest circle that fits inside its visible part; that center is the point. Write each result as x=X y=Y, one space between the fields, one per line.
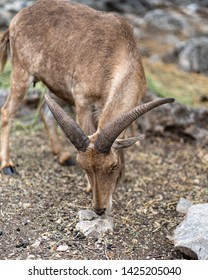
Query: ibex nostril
x=99 y=212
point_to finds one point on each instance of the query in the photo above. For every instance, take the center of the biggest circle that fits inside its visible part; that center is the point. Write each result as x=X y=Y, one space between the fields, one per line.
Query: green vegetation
x=29 y=122
x=5 y=76
x=160 y=90
x=167 y=80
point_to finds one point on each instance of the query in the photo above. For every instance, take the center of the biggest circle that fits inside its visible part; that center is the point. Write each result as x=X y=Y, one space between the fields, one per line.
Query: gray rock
x=5 y=18
x=193 y=56
x=175 y=120
x=87 y=215
x=130 y=6
x=62 y=248
x=161 y=20
x=15 y=7
x=36 y=244
x=92 y=225
x=191 y=236
x=183 y=205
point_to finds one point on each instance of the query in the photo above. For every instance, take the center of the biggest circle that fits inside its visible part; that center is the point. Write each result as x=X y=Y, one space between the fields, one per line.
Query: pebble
x=36 y=244
x=26 y=205
x=31 y=257
x=92 y=225
x=87 y=215
x=62 y=248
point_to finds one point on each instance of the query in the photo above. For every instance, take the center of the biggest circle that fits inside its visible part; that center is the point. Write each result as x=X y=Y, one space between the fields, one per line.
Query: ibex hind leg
x=64 y=157
x=20 y=82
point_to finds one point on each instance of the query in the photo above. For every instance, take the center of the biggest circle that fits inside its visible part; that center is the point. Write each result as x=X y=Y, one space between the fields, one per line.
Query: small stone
x=183 y=205
x=26 y=205
x=92 y=225
x=36 y=244
x=87 y=215
x=95 y=228
x=134 y=241
x=59 y=221
x=31 y=257
x=62 y=248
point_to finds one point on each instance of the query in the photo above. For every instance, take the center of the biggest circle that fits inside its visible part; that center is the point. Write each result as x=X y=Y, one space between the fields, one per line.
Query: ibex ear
x=125 y=143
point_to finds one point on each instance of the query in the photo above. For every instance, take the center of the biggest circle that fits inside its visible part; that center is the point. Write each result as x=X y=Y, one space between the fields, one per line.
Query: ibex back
x=91 y=60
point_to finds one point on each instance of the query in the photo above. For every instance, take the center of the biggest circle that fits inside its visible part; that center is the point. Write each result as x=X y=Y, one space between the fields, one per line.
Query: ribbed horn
x=111 y=131
x=72 y=130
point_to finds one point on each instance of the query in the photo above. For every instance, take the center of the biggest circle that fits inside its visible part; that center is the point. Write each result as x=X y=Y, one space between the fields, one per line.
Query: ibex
x=91 y=60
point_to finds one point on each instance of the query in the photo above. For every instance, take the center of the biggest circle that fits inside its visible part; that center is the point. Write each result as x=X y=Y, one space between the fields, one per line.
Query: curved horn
x=72 y=130
x=111 y=131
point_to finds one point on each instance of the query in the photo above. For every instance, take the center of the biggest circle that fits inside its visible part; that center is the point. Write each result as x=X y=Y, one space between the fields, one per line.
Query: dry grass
x=169 y=80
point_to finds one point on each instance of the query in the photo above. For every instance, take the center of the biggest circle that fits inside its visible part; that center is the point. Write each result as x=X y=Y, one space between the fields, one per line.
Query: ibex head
x=100 y=154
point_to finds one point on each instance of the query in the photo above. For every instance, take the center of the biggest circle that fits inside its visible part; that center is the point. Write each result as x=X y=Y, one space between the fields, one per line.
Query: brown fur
x=86 y=57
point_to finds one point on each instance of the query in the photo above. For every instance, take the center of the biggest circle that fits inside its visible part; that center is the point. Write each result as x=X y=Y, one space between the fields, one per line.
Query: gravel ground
x=38 y=208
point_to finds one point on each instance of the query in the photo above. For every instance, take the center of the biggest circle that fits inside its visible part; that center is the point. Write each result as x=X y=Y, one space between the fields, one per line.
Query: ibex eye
x=113 y=167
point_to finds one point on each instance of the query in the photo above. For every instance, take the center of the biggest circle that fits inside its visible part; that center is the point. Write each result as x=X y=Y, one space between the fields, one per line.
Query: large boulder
x=191 y=236
x=176 y=121
x=193 y=56
x=165 y=21
x=9 y=8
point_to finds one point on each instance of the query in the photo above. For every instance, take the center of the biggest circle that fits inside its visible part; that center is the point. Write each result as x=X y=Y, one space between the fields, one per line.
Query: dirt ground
x=38 y=209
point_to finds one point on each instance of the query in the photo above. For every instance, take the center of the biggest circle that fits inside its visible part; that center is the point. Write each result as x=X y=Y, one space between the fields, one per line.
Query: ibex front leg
x=20 y=82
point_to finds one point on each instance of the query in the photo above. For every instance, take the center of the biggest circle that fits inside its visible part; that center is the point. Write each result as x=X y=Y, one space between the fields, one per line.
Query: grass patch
x=5 y=76
x=167 y=80
x=29 y=122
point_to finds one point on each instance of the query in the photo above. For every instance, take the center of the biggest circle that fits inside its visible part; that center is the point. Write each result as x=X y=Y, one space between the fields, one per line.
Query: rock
x=94 y=228
x=87 y=215
x=92 y=225
x=192 y=56
x=161 y=20
x=62 y=248
x=36 y=244
x=130 y=6
x=31 y=257
x=175 y=120
x=183 y=205
x=5 y=18
x=189 y=55
x=9 y=8
x=26 y=205
x=191 y=236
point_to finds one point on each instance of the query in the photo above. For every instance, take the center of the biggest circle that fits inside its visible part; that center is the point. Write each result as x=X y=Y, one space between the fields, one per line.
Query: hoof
x=69 y=162
x=9 y=170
